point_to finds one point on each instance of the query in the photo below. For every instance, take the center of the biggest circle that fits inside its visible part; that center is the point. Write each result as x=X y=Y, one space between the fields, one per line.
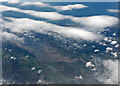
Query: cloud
x=111 y=72
x=79 y=33
x=96 y=22
x=70 y=7
x=90 y=25
x=25 y=25
x=10 y=1
x=113 y=10
x=46 y=15
x=40 y=4
x=5 y=8
x=60 y=8
x=91 y=22
x=114 y=42
x=11 y=37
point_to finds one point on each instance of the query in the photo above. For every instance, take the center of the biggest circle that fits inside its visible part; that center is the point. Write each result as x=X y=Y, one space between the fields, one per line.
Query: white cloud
x=106 y=39
x=96 y=50
x=11 y=37
x=69 y=7
x=60 y=8
x=113 y=10
x=40 y=4
x=10 y=1
x=78 y=77
x=26 y=25
x=111 y=72
x=96 y=22
x=33 y=68
x=117 y=45
x=109 y=49
x=114 y=34
x=115 y=54
x=89 y=64
x=92 y=22
x=79 y=33
x=46 y=15
x=114 y=42
x=5 y=8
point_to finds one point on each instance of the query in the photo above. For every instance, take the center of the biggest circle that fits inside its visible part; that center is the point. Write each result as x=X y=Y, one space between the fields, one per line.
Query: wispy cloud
x=39 y=4
x=10 y=1
x=113 y=10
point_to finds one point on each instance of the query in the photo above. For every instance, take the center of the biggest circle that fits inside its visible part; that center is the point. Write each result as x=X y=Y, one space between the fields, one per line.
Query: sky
x=74 y=0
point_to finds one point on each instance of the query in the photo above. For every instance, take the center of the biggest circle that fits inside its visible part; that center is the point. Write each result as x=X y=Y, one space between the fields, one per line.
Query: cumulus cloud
x=10 y=1
x=70 y=7
x=26 y=25
x=111 y=72
x=113 y=10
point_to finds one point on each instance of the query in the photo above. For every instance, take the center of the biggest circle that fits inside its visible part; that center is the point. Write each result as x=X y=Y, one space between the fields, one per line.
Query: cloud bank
x=46 y=15
x=25 y=25
x=93 y=22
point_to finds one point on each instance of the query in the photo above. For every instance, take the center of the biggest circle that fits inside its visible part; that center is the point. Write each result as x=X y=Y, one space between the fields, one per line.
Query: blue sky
x=74 y=0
